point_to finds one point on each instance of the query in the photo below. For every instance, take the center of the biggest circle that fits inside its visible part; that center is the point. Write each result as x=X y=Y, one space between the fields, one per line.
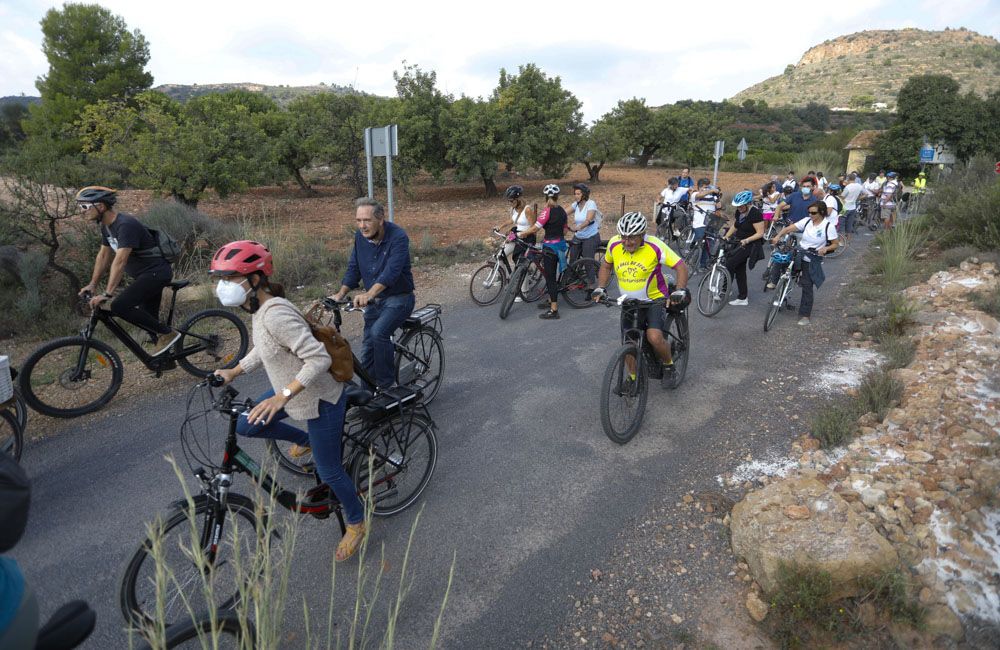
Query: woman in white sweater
x=297 y=366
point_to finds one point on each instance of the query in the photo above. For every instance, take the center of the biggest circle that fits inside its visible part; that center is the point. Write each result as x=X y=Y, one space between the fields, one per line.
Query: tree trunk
x=595 y=171
x=508 y=167
x=297 y=175
x=491 y=187
x=184 y=200
x=648 y=151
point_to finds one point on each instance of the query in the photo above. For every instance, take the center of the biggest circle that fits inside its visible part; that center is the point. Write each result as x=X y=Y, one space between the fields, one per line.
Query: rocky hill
x=281 y=94
x=849 y=71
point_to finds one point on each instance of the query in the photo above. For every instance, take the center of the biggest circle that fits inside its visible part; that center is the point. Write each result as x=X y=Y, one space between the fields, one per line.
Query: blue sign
x=926 y=153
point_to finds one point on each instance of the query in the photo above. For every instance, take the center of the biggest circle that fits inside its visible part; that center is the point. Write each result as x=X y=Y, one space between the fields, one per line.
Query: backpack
x=342 y=361
x=166 y=247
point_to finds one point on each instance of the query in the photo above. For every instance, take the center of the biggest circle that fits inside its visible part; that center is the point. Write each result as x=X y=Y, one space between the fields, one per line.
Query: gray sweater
x=285 y=346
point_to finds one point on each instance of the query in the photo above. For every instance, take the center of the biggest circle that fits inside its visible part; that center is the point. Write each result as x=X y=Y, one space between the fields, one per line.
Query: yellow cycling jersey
x=640 y=274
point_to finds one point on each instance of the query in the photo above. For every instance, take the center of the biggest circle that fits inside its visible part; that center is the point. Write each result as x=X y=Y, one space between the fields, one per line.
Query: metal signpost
x=741 y=150
x=381 y=141
x=720 y=148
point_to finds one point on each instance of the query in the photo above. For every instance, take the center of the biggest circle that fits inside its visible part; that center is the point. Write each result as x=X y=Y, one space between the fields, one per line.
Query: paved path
x=528 y=491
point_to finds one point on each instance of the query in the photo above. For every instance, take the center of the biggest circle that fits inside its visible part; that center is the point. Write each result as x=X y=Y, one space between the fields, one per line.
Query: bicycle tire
x=611 y=383
x=481 y=284
x=20 y=409
x=513 y=284
x=303 y=466
x=421 y=372
x=839 y=250
x=420 y=432
x=776 y=303
x=216 y=356
x=227 y=623
x=11 y=435
x=99 y=353
x=138 y=609
x=712 y=301
x=680 y=345
x=533 y=284
x=692 y=258
x=575 y=283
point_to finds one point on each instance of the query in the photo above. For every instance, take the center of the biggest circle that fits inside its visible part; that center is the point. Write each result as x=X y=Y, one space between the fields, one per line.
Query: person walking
x=747 y=228
x=298 y=369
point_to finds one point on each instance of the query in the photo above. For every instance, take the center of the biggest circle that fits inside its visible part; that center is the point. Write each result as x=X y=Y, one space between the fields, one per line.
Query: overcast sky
x=603 y=51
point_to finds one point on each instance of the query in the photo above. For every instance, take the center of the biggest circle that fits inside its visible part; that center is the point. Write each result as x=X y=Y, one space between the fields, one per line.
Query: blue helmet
x=891 y=175
x=835 y=187
x=743 y=198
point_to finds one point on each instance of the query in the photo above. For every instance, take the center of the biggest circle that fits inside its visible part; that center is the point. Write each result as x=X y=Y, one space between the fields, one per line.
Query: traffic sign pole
x=720 y=148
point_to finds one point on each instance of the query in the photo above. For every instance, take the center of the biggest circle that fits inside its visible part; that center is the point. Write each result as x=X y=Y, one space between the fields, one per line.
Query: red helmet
x=242 y=258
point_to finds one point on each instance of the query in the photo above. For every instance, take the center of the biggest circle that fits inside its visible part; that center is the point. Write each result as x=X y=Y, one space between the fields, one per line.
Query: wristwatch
x=286 y=393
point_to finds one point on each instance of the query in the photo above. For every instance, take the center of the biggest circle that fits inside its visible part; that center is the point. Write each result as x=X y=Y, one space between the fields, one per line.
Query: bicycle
x=784 y=285
x=397 y=441
x=671 y=216
x=489 y=280
x=227 y=624
x=76 y=375
x=717 y=284
x=11 y=427
x=573 y=281
x=618 y=387
x=419 y=365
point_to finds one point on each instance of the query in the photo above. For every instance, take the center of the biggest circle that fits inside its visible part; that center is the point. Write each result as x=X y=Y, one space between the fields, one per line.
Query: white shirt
x=823 y=183
x=698 y=217
x=814 y=236
x=789 y=182
x=871 y=187
x=520 y=219
x=831 y=208
x=673 y=197
x=851 y=194
x=770 y=202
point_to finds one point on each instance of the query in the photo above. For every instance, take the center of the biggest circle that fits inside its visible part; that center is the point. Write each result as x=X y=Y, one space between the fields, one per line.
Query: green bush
x=828 y=161
x=963 y=210
x=988 y=301
x=835 y=424
x=198 y=234
x=878 y=392
x=897 y=350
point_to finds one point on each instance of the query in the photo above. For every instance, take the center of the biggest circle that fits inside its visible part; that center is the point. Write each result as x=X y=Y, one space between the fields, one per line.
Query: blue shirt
x=386 y=262
x=798 y=206
x=685 y=182
x=11 y=591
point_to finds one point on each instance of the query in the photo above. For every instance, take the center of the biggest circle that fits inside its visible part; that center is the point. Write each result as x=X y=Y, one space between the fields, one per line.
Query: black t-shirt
x=744 y=227
x=127 y=232
x=555 y=226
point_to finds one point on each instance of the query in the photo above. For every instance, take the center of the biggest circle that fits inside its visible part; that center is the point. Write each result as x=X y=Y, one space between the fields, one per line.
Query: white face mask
x=231 y=294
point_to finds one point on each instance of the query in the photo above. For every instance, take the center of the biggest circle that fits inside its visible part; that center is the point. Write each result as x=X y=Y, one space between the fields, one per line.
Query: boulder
x=833 y=538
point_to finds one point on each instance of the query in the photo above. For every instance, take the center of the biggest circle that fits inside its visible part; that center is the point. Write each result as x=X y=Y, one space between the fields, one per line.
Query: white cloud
x=662 y=51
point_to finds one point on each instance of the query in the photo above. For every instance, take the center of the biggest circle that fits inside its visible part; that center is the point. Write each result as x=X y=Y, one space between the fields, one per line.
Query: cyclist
x=522 y=217
x=790 y=181
x=381 y=258
x=672 y=196
x=586 y=225
x=769 y=197
x=128 y=248
x=685 y=182
x=819 y=237
x=920 y=183
x=834 y=205
x=638 y=260
x=852 y=194
x=297 y=367
x=796 y=204
x=888 y=196
x=706 y=204
x=553 y=222
x=748 y=227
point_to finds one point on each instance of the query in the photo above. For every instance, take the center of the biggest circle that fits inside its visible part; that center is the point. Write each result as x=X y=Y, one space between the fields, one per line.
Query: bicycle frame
x=637 y=335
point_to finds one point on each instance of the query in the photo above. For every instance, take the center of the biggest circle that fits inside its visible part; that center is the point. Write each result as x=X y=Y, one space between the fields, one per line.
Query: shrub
x=834 y=424
x=963 y=211
x=988 y=301
x=895 y=253
x=827 y=161
x=897 y=350
x=878 y=392
x=198 y=234
x=300 y=258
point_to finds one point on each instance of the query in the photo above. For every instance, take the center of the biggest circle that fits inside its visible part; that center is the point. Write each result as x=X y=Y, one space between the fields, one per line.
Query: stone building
x=860 y=148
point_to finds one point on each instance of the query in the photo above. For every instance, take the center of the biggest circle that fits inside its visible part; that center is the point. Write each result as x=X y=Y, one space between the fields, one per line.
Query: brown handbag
x=342 y=367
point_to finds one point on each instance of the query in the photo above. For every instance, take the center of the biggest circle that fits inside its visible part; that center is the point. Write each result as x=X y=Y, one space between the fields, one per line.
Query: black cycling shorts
x=650 y=317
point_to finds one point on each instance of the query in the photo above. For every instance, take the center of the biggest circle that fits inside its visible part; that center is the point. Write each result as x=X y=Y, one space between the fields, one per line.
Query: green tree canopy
x=471 y=129
x=600 y=143
x=421 y=114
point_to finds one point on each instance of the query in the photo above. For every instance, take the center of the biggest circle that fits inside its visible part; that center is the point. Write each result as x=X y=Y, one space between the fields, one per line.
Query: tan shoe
x=295 y=451
x=164 y=342
x=351 y=541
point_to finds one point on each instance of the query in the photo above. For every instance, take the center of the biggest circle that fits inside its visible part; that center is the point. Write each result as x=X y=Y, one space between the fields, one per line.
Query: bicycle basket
x=6 y=385
x=716 y=222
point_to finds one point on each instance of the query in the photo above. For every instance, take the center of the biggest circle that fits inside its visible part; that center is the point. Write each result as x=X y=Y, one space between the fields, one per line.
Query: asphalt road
x=528 y=492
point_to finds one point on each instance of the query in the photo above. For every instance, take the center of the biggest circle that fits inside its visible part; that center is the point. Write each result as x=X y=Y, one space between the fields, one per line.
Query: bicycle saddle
x=357 y=396
x=179 y=284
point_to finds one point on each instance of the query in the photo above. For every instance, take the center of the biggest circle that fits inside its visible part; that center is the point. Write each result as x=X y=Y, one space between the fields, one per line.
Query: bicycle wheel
x=776 y=303
x=217 y=338
x=533 y=285
x=713 y=290
x=840 y=249
x=20 y=410
x=69 y=377
x=404 y=454
x=623 y=399
x=11 y=435
x=184 y=580
x=487 y=284
x=229 y=632
x=512 y=290
x=420 y=361
x=692 y=258
x=679 y=338
x=575 y=282
x=302 y=465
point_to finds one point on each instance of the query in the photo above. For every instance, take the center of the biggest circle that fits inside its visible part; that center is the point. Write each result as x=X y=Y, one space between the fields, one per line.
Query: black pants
x=806 y=282
x=585 y=249
x=139 y=302
x=550 y=265
x=736 y=264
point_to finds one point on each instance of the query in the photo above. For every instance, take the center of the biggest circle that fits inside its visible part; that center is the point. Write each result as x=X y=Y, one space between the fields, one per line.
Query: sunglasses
x=813 y=212
x=84 y=206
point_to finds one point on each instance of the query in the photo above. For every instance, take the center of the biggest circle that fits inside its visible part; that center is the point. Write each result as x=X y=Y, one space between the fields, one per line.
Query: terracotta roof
x=863 y=140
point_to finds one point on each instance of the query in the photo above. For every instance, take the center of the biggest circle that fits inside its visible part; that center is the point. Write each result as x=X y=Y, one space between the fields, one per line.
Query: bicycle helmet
x=835 y=187
x=632 y=223
x=551 y=190
x=891 y=175
x=583 y=188
x=743 y=198
x=96 y=194
x=242 y=258
x=514 y=192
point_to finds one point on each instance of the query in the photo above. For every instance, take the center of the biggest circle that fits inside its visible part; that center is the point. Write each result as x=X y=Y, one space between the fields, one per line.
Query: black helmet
x=96 y=194
x=583 y=188
x=513 y=192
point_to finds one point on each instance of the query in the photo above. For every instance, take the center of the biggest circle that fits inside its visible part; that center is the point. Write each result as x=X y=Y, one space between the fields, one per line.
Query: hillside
x=19 y=100
x=857 y=63
x=280 y=94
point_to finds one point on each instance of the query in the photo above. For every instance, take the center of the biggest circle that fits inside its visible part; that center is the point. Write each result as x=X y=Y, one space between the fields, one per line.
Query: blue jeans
x=324 y=438
x=381 y=320
x=699 y=236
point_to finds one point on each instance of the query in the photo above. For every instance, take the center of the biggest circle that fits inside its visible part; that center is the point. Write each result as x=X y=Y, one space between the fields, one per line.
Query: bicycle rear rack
x=428 y=314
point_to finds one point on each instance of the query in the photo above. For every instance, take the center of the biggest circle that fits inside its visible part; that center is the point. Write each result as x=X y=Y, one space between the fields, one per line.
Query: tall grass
x=963 y=209
x=828 y=161
x=894 y=257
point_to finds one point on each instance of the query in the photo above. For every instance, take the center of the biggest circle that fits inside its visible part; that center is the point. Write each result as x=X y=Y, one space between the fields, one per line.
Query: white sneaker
x=739 y=303
x=518 y=299
x=771 y=285
x=804 y=320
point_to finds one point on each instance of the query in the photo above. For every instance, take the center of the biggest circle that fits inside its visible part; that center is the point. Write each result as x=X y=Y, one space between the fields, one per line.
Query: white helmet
x=551 y=190
x=632 y=223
